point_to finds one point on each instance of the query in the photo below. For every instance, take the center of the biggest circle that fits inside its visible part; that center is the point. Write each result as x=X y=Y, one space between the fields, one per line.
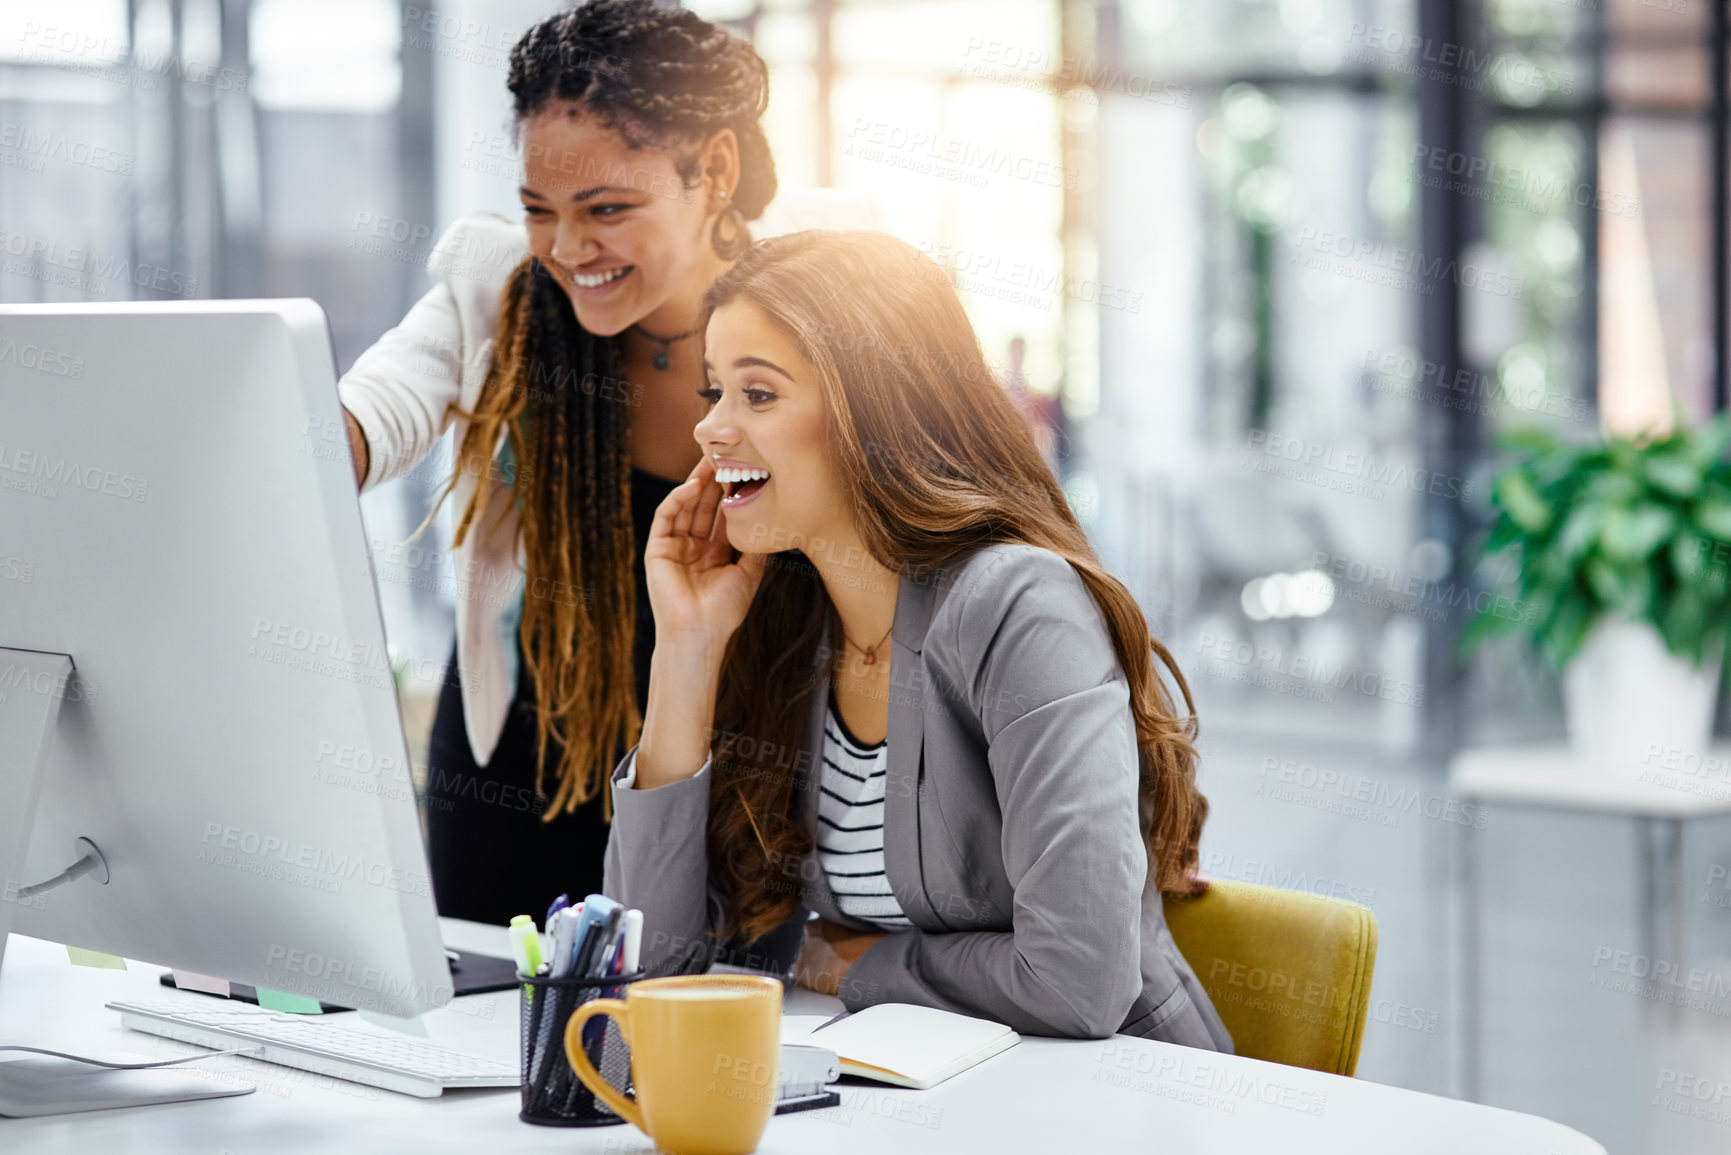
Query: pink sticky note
x=191 y=981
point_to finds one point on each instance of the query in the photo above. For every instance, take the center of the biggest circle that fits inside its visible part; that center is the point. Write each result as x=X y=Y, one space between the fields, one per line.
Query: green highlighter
x=526 y=949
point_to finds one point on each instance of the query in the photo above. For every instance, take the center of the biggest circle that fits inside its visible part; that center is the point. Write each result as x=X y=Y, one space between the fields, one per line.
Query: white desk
x=1044 y=1096
x=1547 y=775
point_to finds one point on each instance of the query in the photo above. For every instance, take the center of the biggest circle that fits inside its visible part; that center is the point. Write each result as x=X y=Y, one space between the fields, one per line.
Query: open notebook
x=901 y=1044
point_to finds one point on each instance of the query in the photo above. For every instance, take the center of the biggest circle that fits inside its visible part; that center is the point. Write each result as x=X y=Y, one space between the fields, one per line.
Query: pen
x=592 y=945
x=564 y=927
x=559 y=904
x=607 y=959
x=610 y=943
x=577 y=931
x=595 y=956
x=614 y=964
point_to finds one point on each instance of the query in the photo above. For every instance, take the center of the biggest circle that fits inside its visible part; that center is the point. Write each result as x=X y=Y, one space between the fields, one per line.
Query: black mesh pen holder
x=553 y=1095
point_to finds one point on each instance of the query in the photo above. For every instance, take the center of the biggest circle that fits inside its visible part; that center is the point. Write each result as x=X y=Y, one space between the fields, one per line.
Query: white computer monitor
x=179 y=518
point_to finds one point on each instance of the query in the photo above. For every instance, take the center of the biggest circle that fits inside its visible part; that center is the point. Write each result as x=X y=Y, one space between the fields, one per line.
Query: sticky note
x=413 y=1026
x=191 y=981
x=291 y=1004
x=94 y=958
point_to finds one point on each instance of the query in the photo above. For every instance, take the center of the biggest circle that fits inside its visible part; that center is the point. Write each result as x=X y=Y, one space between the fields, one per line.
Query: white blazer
x=404 y=392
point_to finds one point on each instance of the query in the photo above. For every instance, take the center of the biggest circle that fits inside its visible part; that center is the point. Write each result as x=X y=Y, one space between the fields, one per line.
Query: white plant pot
x=1628 y=702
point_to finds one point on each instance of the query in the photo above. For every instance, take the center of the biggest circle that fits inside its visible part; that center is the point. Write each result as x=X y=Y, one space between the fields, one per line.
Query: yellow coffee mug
x=704 y=1050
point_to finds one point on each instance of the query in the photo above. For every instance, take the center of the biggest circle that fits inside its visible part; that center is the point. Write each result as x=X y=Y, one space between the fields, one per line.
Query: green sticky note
x=95 y=958
x=291 y=1004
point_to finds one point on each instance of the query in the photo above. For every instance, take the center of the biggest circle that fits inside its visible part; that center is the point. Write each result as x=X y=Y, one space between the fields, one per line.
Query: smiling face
x=616 y=225
x=767 y=433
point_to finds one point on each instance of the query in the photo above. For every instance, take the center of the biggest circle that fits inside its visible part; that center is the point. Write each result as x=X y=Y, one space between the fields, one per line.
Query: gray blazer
x=1011 y=834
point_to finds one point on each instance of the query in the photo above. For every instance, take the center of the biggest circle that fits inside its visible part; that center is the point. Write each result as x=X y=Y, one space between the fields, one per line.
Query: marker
x=633 y=940
x=525 y=944
x=526 y=949
x=559 y=904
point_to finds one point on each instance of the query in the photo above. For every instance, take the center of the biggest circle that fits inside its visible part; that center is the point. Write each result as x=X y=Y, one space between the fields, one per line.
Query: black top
x=647 y=494
x=860 y=747
x=491 y=854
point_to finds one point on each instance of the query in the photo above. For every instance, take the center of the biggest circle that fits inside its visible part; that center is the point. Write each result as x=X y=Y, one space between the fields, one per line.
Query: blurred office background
x=1268 y=275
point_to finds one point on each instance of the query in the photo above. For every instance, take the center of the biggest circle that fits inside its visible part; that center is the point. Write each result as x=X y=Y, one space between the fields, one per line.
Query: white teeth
x=735 y=476
x=598 y=279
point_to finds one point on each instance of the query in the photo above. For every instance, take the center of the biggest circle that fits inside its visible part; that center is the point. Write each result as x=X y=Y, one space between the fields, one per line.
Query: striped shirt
x=850 y=826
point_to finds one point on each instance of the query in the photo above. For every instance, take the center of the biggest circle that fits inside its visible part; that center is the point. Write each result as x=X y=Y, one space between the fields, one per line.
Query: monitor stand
x=32 y=686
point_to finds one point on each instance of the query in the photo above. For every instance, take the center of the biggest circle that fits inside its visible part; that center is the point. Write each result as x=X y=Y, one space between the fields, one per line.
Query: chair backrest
x=1289 y=972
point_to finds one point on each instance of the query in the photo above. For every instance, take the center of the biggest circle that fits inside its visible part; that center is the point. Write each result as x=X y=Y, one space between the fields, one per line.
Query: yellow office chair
x=1289 y=972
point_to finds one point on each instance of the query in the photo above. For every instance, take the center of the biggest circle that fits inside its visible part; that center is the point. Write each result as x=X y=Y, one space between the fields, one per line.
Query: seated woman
x=913 y=703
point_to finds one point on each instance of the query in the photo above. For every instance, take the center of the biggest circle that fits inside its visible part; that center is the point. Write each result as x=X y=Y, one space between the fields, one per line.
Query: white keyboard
x=313 y=1043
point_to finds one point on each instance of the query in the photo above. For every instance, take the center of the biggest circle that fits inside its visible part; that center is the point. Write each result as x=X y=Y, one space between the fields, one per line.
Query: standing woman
x=569 y=370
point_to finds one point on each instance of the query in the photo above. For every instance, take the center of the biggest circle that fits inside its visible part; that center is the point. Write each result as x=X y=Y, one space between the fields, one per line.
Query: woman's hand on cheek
x=828 y=954
x=695 y=586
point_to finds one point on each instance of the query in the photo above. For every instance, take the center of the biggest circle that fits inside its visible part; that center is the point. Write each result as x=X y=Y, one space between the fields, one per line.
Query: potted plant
x=1622 y=552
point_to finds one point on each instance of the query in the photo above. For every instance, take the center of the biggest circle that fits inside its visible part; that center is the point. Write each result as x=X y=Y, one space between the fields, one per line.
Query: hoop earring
x=728 y=248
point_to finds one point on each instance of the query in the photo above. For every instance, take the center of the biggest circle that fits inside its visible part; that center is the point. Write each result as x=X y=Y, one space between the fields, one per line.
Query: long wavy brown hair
x=662 y=77
x=937 y=462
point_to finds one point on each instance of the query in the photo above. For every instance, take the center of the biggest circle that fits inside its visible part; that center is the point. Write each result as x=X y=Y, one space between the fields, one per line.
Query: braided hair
x=664 y=78
x=656 y=76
